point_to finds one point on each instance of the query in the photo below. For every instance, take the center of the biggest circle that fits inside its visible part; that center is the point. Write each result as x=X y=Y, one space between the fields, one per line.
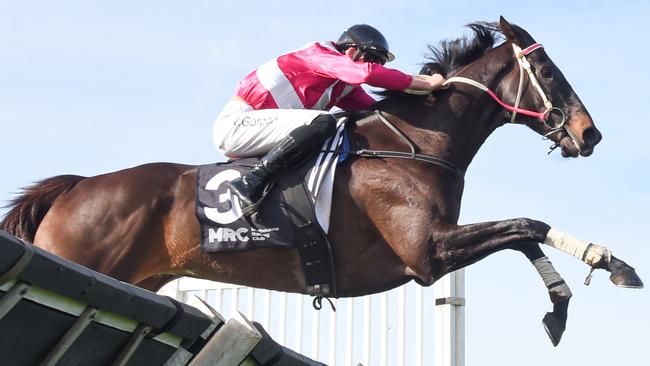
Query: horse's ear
x=508 y=30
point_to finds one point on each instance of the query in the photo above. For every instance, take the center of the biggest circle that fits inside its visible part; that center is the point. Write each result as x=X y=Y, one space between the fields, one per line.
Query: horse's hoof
x=554 y=328
x=622 y=275
x=626 y=278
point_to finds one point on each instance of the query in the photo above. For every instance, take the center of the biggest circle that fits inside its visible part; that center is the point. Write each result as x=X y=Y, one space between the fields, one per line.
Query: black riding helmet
x=368 y=41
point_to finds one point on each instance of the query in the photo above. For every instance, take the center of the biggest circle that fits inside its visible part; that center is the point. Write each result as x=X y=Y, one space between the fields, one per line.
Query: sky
x=88 y=87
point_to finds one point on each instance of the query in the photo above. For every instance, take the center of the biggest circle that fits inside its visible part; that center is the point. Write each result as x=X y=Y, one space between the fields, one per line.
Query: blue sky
x=88 y=87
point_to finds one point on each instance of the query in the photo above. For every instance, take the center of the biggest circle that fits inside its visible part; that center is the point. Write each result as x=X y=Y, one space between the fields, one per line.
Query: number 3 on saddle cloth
x=294 y=213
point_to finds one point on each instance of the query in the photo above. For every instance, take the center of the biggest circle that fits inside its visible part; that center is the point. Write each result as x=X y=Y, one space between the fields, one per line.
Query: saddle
x=295 y=212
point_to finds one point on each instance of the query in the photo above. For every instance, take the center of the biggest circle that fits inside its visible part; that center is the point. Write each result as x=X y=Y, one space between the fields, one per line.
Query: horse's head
x=565 y=119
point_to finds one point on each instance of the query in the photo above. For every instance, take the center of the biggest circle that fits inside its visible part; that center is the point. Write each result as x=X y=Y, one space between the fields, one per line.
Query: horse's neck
x=478 y=115
x=458 y=123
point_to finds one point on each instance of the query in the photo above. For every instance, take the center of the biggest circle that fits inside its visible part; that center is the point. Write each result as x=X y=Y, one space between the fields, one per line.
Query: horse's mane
x=450 y=55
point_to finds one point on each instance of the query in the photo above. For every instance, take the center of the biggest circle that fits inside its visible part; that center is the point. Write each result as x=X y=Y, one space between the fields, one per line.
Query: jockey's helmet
x=372 y=45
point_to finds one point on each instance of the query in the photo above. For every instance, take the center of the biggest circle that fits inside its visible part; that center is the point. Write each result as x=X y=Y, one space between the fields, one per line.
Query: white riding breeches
x=240 y=131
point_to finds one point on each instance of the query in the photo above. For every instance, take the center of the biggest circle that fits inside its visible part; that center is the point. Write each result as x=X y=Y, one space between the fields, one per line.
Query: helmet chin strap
x=357 y=54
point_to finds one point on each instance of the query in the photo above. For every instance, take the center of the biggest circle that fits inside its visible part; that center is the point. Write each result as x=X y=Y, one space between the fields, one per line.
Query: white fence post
x=449 y=338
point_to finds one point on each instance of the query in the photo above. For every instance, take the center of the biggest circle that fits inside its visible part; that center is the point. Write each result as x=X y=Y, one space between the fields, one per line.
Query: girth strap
x=313 y=247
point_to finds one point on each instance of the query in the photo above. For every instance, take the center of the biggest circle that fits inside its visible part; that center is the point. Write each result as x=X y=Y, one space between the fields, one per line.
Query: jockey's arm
x=356 y=73
x=383 y=77
x=427 y=82
x=352 y=72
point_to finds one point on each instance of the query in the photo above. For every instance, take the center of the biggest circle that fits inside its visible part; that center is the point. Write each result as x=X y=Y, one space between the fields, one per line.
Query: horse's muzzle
x=591 y=137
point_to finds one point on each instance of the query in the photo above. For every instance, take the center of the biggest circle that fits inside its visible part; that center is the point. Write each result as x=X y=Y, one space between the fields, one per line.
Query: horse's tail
x=28 y=209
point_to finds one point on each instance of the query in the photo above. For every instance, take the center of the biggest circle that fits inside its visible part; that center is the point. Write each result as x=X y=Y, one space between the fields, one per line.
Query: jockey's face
x=350 y=51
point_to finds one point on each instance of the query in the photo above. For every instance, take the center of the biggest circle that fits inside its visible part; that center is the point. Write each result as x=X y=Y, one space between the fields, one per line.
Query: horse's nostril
x=591 y=137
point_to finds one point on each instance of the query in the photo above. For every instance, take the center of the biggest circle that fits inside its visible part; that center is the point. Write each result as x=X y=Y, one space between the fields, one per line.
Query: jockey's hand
x=426 y=83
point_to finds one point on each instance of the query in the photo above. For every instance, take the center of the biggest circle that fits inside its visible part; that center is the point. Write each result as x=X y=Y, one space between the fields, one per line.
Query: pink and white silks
x=290 y=91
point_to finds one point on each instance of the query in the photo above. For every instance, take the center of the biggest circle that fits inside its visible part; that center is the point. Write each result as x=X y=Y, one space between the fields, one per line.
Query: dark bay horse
x=395 y=219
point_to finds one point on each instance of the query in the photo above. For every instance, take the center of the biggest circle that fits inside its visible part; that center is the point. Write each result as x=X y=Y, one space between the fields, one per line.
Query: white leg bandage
x=552 y=280
x=591 y=254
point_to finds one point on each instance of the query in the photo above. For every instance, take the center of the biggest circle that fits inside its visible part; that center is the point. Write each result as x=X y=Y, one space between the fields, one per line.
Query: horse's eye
x=547 y=72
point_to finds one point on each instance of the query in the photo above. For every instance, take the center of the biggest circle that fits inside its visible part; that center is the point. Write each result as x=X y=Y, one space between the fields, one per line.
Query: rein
x=412 y=155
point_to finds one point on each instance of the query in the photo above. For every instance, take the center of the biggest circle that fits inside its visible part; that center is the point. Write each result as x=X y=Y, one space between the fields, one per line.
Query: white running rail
x=399 y=327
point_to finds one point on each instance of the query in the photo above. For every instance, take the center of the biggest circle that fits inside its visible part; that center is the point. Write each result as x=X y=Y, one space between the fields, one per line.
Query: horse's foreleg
x=559 y=292
x=460 y=246
x=596 y=256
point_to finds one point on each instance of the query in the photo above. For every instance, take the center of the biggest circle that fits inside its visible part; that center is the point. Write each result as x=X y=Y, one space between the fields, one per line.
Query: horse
x=138 y=225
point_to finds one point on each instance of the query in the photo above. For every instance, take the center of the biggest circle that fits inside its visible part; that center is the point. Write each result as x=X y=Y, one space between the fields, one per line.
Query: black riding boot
x=293 y=149
x=250 y=187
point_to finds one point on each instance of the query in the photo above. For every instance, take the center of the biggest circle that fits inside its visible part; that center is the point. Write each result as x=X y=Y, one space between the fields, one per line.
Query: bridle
x=524 y=65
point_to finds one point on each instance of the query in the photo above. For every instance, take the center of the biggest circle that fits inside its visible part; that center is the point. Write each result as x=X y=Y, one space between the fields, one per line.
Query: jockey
x=280 y=109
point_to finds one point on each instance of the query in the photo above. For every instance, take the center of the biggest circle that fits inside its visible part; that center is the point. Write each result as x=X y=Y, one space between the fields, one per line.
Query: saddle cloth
x=298 y=199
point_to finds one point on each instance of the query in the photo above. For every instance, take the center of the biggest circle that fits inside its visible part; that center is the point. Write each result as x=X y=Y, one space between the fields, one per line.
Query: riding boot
x=250 y=187
x=299 y=145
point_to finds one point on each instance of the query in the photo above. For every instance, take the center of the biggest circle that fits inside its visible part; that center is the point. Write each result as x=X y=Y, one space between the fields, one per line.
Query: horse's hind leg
x=559 y=292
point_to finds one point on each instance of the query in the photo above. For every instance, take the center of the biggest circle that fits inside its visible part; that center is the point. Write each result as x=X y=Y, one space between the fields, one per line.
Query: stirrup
x=251 y=209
